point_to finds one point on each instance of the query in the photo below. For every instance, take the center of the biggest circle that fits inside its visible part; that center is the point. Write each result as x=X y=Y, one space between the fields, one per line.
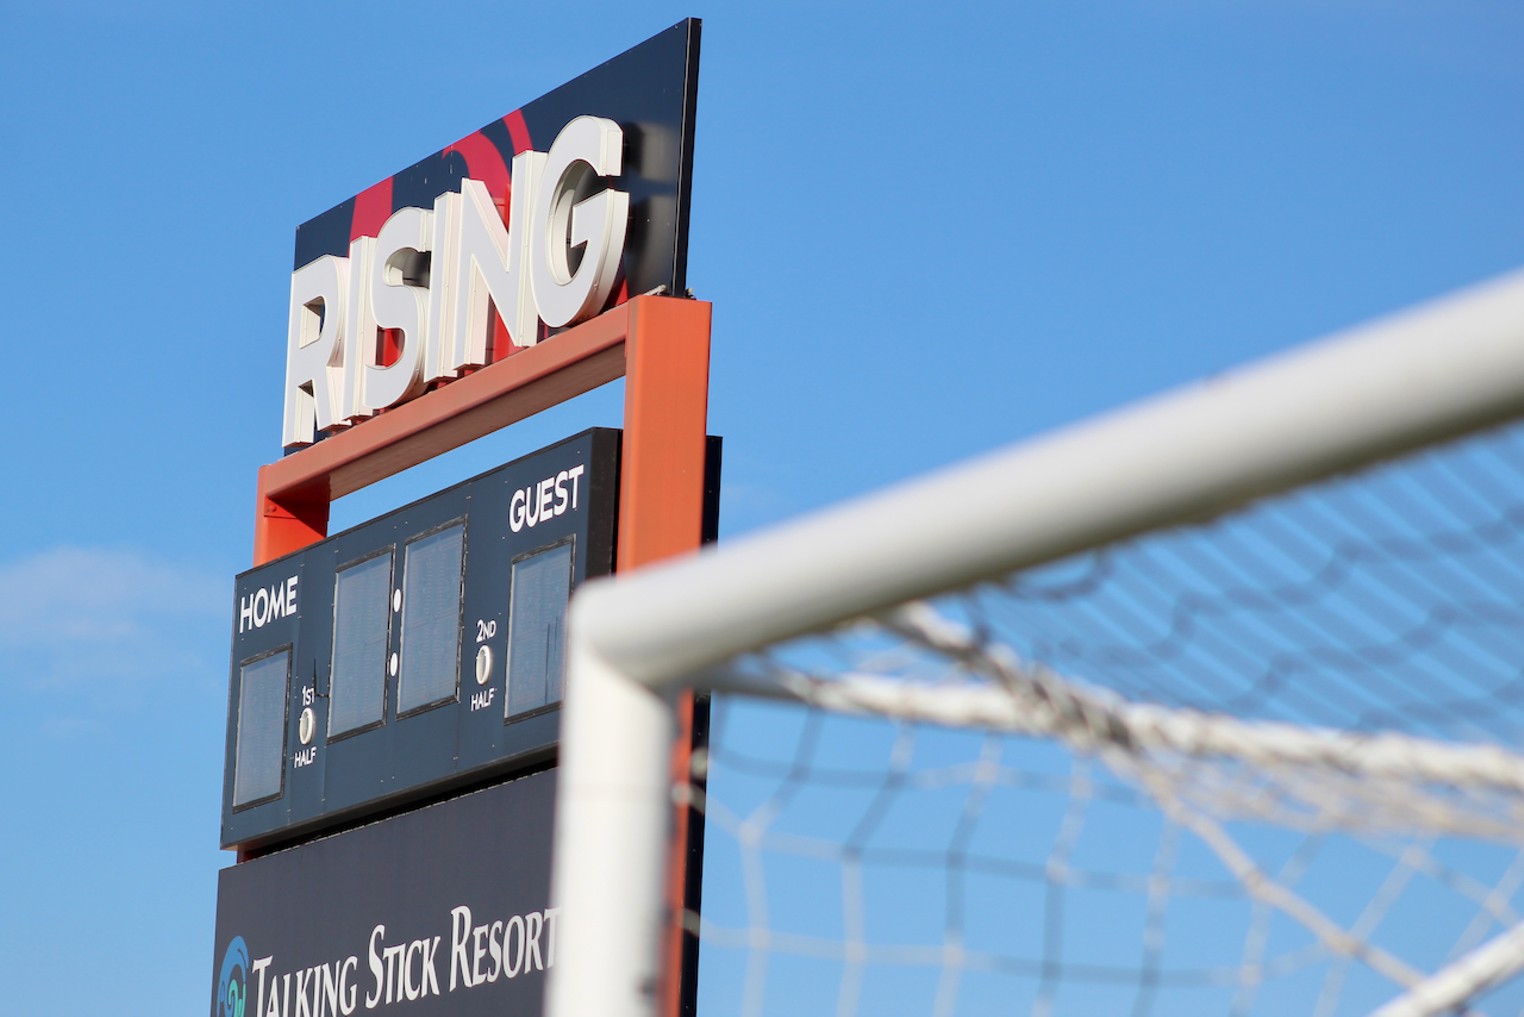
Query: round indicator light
x=392 y=665
x=306 y=726
x=484 y=665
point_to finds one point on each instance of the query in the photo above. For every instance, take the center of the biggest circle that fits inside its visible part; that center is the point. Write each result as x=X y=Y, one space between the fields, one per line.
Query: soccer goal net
x=1209 y=706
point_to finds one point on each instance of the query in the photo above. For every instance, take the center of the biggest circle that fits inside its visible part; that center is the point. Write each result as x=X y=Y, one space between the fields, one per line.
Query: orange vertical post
x=661 y=514
x=281 y=527
x=661 y=490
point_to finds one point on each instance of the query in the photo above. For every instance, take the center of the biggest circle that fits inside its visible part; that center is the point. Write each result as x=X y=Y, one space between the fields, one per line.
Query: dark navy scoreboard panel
x=444 y=910
x=418 y=652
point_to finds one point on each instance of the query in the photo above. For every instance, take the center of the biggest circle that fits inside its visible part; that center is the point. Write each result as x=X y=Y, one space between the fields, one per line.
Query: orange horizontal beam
x=295 y=492
x=566 y=365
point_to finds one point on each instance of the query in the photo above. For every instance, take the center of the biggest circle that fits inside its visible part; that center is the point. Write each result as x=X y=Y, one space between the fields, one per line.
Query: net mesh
x=1259 y=765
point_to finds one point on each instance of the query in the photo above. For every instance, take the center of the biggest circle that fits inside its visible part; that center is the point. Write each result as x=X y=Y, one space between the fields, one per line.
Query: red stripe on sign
x=518 y=130
x=485 y=163
x=373 y=206
x=502 y=345
x=391 y=347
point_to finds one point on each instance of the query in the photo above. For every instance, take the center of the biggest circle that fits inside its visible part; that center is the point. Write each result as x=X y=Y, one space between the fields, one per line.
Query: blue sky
x=926 y=229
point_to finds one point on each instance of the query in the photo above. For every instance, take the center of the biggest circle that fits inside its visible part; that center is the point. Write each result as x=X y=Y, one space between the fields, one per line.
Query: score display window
x=263 y=691
x=541 y=586
x=419 y=652
x=433 y=571
x=357 y=683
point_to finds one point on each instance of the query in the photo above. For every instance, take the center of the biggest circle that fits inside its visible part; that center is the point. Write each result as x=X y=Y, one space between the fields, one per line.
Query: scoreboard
x=395 y=689
x=414 y=655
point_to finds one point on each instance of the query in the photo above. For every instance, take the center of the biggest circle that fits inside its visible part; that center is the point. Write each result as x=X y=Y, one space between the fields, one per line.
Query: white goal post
x=1443 y=370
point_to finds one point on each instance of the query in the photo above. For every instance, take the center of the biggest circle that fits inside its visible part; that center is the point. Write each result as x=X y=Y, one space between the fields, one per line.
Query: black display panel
x=444 y=910
x=260 y=746
x=433 y=575
x=537 y=627
x=419 y=652
x=357 y=672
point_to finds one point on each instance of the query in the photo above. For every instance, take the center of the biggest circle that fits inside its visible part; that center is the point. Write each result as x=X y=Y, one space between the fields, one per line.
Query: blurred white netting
x=1262 y=765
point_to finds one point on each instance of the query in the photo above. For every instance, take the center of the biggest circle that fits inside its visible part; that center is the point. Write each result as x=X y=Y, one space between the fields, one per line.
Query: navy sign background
x=440 y=911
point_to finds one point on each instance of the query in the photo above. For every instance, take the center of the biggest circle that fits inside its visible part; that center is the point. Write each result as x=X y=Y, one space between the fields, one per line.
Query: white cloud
x=97 y=594
x=102 y=617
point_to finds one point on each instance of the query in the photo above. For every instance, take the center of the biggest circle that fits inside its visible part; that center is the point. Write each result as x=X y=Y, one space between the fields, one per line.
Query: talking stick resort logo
x=391 y=972
x=233 y=982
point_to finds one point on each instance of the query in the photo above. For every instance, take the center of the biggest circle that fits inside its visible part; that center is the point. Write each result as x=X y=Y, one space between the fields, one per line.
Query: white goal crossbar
x=1442 y=370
